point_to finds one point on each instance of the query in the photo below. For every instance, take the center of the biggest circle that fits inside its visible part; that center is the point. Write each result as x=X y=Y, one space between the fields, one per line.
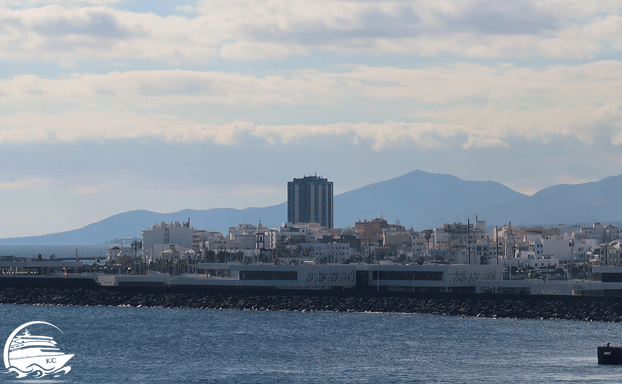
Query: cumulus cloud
x=65 y=3
x=108 y=126
x=54 y=31
x=611 y=115
x=488 y=105
x=161 y=88
x=23 y=184
x=503 y=18
x=484 y=142
x=243 y=50
x=515 y=87
x=244 y=30
x=173 y=129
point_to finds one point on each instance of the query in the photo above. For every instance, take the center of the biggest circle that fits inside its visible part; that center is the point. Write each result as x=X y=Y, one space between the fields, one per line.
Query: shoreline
x=517 y=307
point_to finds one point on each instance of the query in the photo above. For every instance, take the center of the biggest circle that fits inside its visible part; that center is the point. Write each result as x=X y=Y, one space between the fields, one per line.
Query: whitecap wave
x=37 y=371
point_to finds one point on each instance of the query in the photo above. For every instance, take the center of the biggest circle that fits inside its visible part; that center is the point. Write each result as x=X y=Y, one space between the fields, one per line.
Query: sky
x=109 y=106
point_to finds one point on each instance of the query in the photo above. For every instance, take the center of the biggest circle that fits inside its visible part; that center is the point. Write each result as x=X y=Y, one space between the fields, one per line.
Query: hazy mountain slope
x=418 y=199
x=130 y=224
x=421 y=200
x=581 y=203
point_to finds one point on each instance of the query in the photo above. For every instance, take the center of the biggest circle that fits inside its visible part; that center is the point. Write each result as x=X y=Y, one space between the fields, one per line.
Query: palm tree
x=136 y=245
x=427 y=235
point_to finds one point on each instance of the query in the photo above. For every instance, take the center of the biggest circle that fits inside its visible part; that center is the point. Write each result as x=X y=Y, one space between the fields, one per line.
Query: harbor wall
x=82 y=293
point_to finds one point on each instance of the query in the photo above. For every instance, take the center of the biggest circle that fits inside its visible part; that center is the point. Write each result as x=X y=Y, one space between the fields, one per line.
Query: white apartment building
x=329 y=252
x=458 y=233
x=202 y=237
x=485 y=250
x=419 y=244
x=244 y=236
x=560 y=246
x=161 y=236
x=391 y=237
x=597 y=231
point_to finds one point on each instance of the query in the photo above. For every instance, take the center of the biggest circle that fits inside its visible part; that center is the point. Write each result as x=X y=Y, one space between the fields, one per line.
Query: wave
x=36 y=370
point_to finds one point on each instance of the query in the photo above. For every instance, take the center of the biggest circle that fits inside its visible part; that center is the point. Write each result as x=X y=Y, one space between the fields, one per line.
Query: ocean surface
x=58 y=250
x=153 y=345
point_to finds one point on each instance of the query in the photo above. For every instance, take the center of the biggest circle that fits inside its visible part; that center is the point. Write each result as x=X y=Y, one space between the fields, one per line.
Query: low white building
x=118 y=251
x=329 y=252
x=531 y=259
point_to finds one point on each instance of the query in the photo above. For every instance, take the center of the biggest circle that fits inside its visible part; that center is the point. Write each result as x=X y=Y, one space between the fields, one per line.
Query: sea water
x=59 y=251
x=156 y=345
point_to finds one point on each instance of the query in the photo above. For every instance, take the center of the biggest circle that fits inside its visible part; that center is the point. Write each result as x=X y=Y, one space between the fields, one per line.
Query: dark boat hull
x=610 y=355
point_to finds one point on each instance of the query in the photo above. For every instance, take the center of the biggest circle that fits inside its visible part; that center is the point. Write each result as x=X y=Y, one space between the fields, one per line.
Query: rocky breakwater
x=522 y=307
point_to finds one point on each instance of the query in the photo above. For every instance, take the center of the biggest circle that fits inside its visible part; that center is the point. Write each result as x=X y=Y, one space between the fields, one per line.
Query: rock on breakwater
x=522 y=307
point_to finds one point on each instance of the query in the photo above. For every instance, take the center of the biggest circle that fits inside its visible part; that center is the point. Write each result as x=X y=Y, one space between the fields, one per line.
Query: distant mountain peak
x=418 y=199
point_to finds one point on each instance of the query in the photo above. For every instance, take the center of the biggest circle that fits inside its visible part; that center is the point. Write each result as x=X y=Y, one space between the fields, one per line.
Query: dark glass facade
x=408 y=275
x=310 y=200
x=268 y=275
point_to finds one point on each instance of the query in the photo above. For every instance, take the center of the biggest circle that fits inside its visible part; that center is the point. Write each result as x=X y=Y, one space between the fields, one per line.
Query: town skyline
x=119 y=105
x=418 y=199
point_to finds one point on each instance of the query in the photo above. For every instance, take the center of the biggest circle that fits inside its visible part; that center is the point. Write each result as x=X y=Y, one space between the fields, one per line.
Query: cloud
x=358 y=23
x=163 y=88
x=173 y=129
x=503 y=18
x=90 y=33
x=67 y=3
x=107 y=126
x=611 y=115
x=258 y=50
x=484 y=142
x=510 y=87
x=241 y=30
x=88 y=23
x=487 y=105
x=23 y=184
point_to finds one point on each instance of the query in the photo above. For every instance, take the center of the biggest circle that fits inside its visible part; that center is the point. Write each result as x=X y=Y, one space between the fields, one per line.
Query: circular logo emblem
x=34 y=355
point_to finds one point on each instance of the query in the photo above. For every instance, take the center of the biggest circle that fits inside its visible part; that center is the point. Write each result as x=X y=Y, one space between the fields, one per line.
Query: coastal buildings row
x=309 y=236
x=307 y=252
x=377 y=240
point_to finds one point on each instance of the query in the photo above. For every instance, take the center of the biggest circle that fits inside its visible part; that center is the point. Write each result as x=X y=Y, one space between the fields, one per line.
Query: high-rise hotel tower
x=310 y=200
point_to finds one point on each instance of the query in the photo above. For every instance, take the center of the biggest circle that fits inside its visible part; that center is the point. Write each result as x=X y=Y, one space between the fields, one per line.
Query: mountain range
x=417 y=199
